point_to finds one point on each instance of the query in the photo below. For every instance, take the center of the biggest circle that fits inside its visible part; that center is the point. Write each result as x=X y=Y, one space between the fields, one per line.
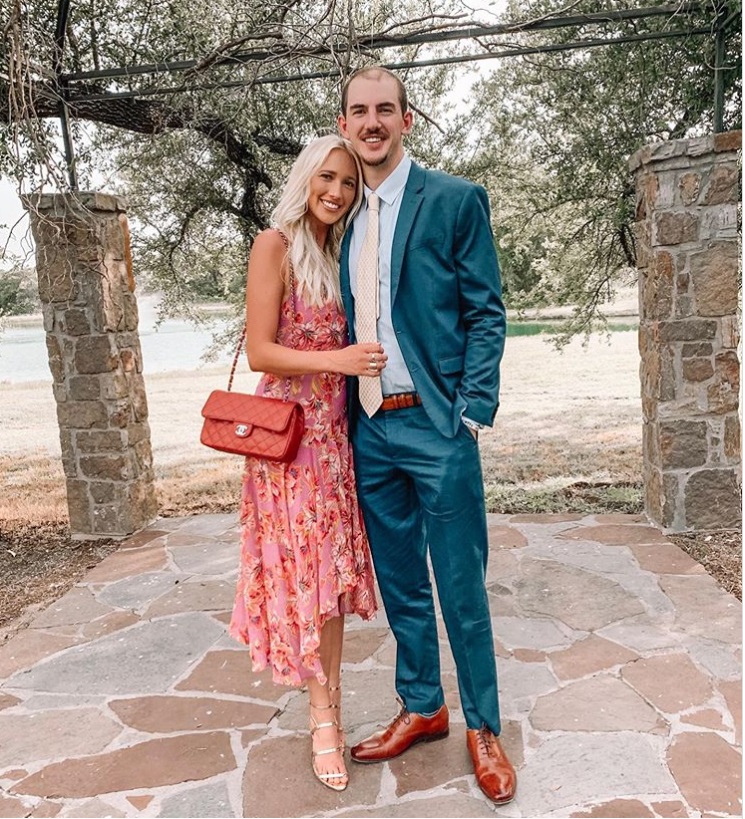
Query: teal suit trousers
x=423 y=492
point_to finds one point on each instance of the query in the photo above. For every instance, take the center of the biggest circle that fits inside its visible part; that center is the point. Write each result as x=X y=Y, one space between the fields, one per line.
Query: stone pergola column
x=687 y=195
x=90 y=317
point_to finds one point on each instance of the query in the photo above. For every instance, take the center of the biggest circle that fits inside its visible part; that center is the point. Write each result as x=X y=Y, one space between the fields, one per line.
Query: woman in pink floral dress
x=305 y=559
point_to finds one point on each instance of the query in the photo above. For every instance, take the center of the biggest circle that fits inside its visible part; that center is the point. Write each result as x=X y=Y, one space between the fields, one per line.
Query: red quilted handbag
x=253 y=425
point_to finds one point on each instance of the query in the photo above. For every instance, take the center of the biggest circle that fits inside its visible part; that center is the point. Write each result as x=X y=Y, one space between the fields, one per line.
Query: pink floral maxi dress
x=305 y=557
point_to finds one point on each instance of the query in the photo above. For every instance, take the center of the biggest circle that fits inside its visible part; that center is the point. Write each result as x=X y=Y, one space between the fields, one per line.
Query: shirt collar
x=393 y=184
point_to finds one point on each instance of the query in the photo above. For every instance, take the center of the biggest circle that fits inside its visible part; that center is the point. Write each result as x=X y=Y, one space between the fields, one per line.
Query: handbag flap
x=252 y=410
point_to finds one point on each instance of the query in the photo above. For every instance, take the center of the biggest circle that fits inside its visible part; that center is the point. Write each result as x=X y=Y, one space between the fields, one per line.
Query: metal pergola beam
x=372 y=42
x=65 y=82
x=316 y=75
x=719 y=55
x=63 y=10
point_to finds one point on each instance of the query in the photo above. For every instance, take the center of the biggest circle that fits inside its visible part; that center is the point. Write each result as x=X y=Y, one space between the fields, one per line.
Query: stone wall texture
x=687 y=195
x=91 y=320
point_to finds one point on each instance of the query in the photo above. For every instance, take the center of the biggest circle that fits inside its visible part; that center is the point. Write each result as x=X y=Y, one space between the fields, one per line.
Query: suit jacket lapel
x=412 y=199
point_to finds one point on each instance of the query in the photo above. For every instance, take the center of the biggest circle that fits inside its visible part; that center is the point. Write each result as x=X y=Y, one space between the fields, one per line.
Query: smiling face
x=375 y=124
x=332 y=190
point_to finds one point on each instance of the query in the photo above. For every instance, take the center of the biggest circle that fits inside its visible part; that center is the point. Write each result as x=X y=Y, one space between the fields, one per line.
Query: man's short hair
x=375 y=72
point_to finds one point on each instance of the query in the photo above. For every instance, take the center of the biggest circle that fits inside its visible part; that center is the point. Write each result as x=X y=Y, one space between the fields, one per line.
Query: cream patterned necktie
x=366 y=304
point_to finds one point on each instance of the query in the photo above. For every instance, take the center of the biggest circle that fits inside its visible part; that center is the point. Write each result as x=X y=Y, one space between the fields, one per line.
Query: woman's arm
x=265 y=292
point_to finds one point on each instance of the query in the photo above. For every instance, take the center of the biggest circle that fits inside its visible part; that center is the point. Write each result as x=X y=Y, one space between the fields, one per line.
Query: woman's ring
x=373 y=365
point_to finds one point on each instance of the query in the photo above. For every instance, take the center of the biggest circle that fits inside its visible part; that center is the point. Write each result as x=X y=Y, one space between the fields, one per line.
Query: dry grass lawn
x=565 y=417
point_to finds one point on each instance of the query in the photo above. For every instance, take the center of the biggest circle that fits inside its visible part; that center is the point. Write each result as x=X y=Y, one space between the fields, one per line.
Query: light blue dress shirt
x=395 y=377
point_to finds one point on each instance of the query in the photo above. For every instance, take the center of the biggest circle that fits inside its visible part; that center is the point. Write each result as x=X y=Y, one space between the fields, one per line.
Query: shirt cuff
x=471 y=424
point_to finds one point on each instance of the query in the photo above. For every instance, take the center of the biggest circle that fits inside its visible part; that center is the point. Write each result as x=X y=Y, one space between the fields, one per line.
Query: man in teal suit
x=441 y=322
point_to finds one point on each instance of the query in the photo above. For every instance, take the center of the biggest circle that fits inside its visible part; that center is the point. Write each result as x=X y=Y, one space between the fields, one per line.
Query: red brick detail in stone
x=732 y=692
x=176 y=539
x=13 y=807
x=561 y=517
x=229 y=672
x=501 y=650
x=690 y=185
x=429 y=764
x=506 y=537
x=722 y=186
x=164 y=714
x=127 y=563
x=8 y=701
x=363 y=643
x=45 y=809
x=589 y=656
x=529 y=655
x=676 y=228
x=672 y=809
x=728 y=141
x=617 y=809
x=14 y=774
x=671 y=682
x=706 y=718
x=277 y=781
x=28 y=648
x=708 y=772
x=109 y=623
x=618 y=517
x=140 y=802
x=150 y=764
x=665 y=558
x=140 y=539
x=197 y=595
x=615 y=535
x=249 y=736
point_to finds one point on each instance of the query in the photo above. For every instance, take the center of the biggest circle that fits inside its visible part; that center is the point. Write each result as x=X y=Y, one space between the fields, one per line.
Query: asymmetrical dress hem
x=305 y=557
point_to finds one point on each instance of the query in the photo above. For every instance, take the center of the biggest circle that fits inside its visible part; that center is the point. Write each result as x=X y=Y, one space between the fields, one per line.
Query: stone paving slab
x=620 y=680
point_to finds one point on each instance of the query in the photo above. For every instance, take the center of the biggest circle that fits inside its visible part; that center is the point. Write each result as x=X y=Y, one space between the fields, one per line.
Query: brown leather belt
x=401 y=400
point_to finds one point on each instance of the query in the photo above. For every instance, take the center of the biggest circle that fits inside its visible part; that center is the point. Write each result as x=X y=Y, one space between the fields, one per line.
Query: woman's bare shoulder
x=269 y=241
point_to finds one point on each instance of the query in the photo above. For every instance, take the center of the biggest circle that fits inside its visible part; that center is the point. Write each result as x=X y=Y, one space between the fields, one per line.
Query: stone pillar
x=687 y=195
x=90 y=317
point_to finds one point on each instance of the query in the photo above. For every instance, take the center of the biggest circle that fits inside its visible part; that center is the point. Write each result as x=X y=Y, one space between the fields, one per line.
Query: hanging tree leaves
x=196 y=148
x=572 y=119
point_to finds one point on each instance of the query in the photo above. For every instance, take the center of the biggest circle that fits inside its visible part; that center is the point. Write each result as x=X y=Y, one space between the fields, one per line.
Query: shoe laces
x=485 y=744
x=403 y=714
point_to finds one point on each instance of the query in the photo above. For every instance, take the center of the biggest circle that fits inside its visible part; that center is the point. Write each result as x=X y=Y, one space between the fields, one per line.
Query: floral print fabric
x=305 y=557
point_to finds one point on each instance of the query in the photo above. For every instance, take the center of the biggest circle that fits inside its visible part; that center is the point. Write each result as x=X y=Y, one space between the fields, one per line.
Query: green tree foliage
x=17 y=292
x=548 y=134
x=198 y=166
x=568 y=121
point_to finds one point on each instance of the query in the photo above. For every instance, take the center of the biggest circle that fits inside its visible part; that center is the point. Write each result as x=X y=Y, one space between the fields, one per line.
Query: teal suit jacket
x=446 y=299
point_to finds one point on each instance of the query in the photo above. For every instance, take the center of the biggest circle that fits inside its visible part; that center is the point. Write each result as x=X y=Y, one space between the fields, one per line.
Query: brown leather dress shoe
x=494 y=772
x=406 y=730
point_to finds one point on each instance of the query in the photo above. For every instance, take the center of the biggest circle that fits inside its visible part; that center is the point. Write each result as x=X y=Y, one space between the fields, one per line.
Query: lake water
x=174 y=345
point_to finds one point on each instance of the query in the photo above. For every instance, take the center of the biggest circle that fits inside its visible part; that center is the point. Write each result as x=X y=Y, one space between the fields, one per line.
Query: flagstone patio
x=620 y=677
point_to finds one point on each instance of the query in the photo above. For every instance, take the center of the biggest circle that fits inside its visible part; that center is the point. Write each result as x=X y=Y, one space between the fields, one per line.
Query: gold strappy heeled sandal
x=327 y=779
x=335 y=694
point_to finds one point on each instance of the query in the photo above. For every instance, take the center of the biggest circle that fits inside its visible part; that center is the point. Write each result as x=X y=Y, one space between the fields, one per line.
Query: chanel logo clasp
x=242 y=430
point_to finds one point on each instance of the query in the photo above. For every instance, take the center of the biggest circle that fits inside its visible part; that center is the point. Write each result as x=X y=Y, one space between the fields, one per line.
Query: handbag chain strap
x=242 y=339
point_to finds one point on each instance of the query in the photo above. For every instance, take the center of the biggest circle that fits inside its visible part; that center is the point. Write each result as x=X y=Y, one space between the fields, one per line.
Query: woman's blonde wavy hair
x=316 y=269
